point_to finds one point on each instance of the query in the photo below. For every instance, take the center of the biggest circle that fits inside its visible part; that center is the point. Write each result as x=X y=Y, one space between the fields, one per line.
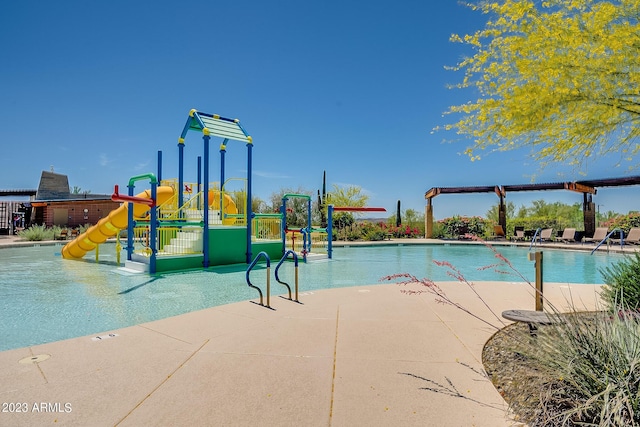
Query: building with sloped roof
x=52 y=204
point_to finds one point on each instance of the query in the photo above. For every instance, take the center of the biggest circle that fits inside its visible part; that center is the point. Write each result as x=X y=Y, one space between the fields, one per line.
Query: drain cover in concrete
x=34 y=359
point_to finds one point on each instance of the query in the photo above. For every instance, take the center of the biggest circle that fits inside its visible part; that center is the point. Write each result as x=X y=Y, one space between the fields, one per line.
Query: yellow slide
x=228 y=205
x=110 y=226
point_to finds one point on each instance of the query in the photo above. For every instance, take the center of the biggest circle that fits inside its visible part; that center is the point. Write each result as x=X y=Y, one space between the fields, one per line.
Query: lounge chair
x=633 y=237
x=498 y=232
x=598 y=236
x=568 y=235
x=63 y=234
x=546 y=235
x=518 y=234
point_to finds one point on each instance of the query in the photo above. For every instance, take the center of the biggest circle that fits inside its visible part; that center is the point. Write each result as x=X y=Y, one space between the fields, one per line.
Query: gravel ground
x=517 y=378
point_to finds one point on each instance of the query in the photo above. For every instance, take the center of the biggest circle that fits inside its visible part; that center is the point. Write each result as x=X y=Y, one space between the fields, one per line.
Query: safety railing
x=238 y=194
x=266 y=226
x=295 y=260
x=180 y=240
x=189 y=211
x=607 y=240
x=319 y=238
x=251 y=285
x=141 y=240
x=176 y=239
x=306 y=241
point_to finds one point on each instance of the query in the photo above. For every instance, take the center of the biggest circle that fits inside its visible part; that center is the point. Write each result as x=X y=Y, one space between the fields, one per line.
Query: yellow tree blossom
x=559 y=76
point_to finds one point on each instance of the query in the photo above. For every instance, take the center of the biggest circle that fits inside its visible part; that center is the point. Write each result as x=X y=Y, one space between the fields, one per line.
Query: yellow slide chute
x=228 y=206
x=110 y=226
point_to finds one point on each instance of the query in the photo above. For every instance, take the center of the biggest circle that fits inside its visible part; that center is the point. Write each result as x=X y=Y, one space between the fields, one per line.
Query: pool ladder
x=606 y=240
x=268 y=288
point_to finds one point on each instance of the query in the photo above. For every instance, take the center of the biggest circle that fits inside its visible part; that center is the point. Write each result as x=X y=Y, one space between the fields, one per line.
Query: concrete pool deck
x=368 y=355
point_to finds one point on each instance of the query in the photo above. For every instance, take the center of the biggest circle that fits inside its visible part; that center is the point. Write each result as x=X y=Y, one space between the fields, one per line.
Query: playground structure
x=178 y=225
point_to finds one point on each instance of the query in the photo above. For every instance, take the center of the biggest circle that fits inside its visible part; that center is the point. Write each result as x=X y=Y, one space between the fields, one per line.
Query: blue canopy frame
x=228 y=129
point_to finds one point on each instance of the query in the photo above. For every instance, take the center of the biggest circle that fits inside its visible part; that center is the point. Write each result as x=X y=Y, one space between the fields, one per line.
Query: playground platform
x=367 y=355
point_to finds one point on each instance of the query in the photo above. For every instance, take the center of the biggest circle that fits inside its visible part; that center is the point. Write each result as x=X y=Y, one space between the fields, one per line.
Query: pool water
x=44 y=298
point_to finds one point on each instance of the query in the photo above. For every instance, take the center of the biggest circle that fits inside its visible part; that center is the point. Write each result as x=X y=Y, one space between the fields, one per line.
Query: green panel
x=227 y=245
x=273 y=249
x=177 y=263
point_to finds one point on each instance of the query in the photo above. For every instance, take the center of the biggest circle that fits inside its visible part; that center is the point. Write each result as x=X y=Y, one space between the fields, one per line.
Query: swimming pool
x=44 y=298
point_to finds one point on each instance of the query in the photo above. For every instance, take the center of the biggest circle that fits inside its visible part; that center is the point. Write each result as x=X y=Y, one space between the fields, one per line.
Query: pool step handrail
x=295 y=260
x=606 y=239
x=253 y=264
x=536 y=234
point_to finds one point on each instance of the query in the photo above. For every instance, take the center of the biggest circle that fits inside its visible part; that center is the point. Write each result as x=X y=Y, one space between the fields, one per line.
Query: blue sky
x=95 y=89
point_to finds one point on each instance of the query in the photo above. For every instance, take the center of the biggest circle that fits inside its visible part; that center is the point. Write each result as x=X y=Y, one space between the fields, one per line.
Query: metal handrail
x=539 y=230
x=606 y=239
x=253 y=264
x=295 y=260
x=177 y=214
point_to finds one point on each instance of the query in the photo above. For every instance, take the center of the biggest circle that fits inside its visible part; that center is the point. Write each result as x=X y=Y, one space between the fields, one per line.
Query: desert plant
x=622 y=284
x=37 y=233
x=593 y=363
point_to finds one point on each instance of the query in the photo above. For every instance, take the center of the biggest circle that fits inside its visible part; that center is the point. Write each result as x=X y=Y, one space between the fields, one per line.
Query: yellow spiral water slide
x=112 y=224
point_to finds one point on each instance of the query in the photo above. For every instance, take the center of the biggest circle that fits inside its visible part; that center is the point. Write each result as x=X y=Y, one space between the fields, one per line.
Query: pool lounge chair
x=518 y=234
x=498 y=232
x=633 y=237
x=598 y=236
x=546 y=235
x=568 y=235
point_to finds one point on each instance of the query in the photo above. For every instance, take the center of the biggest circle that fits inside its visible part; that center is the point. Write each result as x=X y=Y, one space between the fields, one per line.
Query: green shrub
x=535 y=222
x=37 y=233
x=460 y=225
x=622 y=284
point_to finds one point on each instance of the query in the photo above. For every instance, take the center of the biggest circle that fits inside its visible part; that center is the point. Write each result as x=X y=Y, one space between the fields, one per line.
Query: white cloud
x=141 y=166
x=104 y=159
x=270 y=175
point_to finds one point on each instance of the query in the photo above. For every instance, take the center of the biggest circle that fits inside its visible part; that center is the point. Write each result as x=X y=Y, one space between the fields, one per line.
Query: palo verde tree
x=561 y=77
x=351 y=196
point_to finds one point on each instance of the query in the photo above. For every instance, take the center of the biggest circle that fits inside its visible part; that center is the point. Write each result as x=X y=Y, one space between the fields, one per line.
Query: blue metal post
x=180 y=172
x=248 y=211
x=153 y=228
x=330 y=231
x=130 y=224
x=308 y=248
x=205 y=237
x=283 y=223
x=199 y=181
x=223 y=151
x=159 y=165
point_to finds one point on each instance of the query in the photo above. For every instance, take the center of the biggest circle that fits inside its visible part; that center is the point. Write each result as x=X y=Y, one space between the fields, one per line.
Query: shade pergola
x=588 y=188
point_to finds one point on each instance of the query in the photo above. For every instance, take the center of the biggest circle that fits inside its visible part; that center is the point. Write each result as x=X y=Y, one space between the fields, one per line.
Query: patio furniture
x=598 y=236
x=568 y=235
